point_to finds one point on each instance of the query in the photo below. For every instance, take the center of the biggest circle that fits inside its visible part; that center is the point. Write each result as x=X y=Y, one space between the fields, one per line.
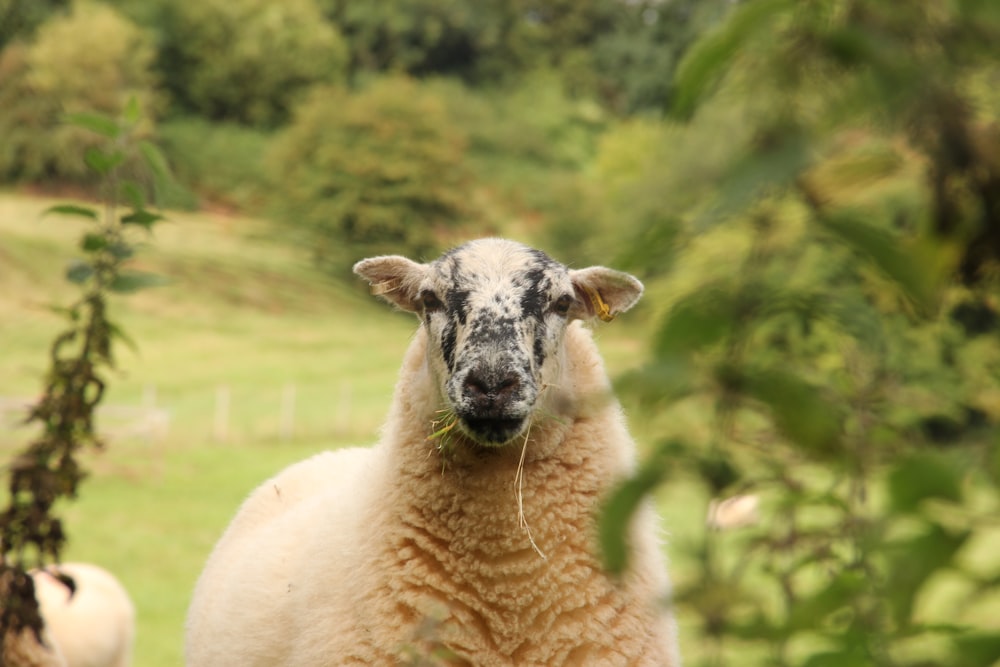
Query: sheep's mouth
x=493 y=430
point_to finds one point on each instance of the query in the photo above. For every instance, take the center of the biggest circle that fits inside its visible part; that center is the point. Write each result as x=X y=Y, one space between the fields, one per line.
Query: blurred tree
x=92 y=59
x=248 y=61
x=634 y=61
x=623 y=52
x=834 y=189
x=20 y=18
x=423 y=37
x=379 y=171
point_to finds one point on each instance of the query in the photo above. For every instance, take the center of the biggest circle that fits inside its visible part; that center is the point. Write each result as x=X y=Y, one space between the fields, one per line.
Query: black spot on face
x=534 y=295
x=458 y=304
x=539 y=348
x=448 y=338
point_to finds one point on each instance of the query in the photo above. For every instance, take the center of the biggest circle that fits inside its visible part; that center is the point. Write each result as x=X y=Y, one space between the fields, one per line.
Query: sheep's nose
x=488 y=390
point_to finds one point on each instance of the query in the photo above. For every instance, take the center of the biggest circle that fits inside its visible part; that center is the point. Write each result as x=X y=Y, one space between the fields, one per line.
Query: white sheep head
x=495 y=313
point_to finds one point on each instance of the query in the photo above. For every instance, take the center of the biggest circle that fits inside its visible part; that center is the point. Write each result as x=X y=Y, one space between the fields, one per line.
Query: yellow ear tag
x=602 y=309
x=385 y=286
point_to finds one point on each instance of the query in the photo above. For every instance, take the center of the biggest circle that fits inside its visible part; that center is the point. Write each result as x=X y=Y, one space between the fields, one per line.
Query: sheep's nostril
x=508 y=386
x=490 y=390
x=474 y=386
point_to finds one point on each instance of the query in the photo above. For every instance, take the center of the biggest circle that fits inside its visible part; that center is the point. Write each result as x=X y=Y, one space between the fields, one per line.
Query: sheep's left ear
x=603 y=292
x=393 y=278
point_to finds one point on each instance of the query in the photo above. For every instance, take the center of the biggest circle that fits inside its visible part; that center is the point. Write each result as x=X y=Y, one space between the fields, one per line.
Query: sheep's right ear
x=394 y=278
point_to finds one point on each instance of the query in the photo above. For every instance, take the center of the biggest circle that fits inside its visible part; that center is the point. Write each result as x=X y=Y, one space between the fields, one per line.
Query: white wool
x=373 y=556
x=93 y=626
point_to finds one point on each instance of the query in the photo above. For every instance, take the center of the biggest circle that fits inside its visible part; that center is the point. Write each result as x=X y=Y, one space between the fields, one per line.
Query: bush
x=91 y=60
x=374 y=172
x=247 y=60
x=222 y=162
x=20 y=18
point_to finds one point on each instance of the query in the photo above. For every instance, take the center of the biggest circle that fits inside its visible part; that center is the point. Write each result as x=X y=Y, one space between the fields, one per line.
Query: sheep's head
x=495 y=312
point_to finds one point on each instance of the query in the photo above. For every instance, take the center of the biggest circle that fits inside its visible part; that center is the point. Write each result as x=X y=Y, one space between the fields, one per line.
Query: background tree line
x=404 y=119
x=810 y=189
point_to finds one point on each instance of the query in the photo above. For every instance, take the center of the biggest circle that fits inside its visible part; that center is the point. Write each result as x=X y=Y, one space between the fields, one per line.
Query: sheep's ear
x=394 y=278
x=603 y=293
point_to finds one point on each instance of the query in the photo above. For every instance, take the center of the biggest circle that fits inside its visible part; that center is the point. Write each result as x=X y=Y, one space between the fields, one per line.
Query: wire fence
x=226 y=413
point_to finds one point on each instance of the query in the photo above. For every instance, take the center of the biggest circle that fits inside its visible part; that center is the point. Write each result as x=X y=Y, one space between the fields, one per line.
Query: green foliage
x=422 y=37
x=20 y=18
x=93 y=59
x=635 y=60
x=48 y=469
x=483 y=44
x=529 y=145
x=374 y=172
x=247 y=61
x=833 y=284
x=220 y=162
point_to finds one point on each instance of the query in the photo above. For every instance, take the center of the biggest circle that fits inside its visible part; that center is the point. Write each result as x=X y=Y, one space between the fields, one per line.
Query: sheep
x=466 y=535
x=24 y=648
x=93 y=624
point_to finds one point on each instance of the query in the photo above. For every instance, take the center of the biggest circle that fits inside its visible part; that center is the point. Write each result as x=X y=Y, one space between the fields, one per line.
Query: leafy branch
x=48 y=469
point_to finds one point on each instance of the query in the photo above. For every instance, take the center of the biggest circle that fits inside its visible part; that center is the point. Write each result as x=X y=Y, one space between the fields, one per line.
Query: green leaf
x=695 y=321
x=912 y=561
x=811 y=612
x=133 y=111
x=93 y=242
x=616 y=514
x=921 y=476
x=133 y=195
x=121 y=251
x=709 y=58
x=141 y=217
x=72 y=313
x=155 y=160
x=799 y=409
x=918 y=270
x=980 y=648
x=133 y=281
x=79 y=272
x=71 y=209
x=771 y=166
x=94 y=122
x=653 y=246
x=717 y=471
x=117 y=333
x=101 y=161
x=662 y=380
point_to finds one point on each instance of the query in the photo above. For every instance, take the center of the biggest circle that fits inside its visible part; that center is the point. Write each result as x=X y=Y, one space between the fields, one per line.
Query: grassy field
x=245 y=312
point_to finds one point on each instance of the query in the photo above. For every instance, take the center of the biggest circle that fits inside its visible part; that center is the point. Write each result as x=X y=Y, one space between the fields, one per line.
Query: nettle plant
x=80 y=358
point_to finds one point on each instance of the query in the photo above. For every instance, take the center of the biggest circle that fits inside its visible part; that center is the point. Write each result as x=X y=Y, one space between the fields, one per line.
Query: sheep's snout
x=489 y=392
x=494 y=404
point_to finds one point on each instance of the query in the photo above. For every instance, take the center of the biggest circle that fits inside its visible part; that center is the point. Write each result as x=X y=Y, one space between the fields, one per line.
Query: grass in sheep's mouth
x=442 y=433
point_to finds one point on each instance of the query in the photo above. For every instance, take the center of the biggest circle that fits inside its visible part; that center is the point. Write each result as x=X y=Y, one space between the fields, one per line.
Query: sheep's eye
x=561 y=305
x=430 y=302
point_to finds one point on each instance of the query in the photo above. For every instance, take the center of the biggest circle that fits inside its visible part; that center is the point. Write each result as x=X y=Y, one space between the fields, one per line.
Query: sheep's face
x=495 y=313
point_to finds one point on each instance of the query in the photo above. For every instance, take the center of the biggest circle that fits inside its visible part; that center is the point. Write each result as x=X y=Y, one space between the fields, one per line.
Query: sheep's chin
x=493 y=431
